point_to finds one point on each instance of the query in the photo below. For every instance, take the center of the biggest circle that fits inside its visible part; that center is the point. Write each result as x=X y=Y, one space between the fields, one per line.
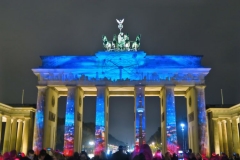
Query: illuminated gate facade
x=120 y=71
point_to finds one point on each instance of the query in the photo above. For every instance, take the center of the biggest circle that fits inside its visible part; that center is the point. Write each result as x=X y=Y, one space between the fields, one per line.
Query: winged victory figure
x=120 y=24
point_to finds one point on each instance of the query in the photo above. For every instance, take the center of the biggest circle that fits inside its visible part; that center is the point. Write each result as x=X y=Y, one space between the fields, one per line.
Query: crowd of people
x=140 y=153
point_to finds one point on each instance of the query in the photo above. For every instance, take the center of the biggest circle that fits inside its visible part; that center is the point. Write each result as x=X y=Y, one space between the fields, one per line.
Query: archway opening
x=121 y=121
x=88 y=130
x=153 y=123
x=61 y=122
x=181 y=122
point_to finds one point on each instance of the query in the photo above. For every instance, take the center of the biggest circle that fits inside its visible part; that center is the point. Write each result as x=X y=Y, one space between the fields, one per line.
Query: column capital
x=229 y=120
x=224 y=121
x=200 y=86
x=71 y=86
x=235 y=117
x=26 y=118
x=140 y=85
x=19 y=120
x=41 y=87
x=169 y=86
x=215 y=119
x=6 y=116
x=100 y=86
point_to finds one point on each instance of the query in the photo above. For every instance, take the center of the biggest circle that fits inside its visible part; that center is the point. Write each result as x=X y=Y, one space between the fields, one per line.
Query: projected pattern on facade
x=202 y=121
x=121 y=66
x=69 y=124
x=171 y=121
x=125 y=68
x=37 y=143
x=100 y=121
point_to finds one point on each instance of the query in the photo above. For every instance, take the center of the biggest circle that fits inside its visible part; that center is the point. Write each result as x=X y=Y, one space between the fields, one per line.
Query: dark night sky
x=29 y=29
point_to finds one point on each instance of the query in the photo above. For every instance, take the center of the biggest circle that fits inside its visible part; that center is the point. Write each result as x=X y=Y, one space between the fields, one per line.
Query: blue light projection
x=202 y=121
x=140 y=116
x=120 y=66
x=69 y=124
x=100 y=121
x=124 y=68
x=39 y=122
x=171 y=121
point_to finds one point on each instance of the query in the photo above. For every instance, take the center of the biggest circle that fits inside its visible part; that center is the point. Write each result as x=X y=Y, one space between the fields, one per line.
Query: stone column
x=216 y=136
x=0 y=128
x=169 y=134
x=19 y=135
x=13 y=134
x=192 y=112
x=235 y=135
x=69 y=122
x=25 y=135
x=140 y=125
x=50 y=120
x=78 y=119
x=106 y=117
x=100 y=144
x=7 y=135
x=39 y=120
x=220 y=136
x=225 y=141
x=202 y=121
x=229 y=137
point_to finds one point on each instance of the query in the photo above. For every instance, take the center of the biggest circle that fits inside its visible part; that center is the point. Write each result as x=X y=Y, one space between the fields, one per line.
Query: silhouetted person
x=44 y=156
x=198 y=156
x=103 y=156
x=30 y=155
x=76 y=156
x=135 y=151
x=146 y=150
x=224 y=157
x=84 y=156
x=158 y=155
x=119 y=155
x=142 y=156
x=174 y=156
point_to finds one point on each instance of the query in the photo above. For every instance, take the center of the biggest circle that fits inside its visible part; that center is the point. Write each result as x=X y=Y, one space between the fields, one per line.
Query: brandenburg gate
x=121 y=70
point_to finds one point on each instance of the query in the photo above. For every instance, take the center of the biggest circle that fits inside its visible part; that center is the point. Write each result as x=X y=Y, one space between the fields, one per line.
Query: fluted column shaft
x=39 y=120
x=229 y=137
x=25 y=135
x=202 y=121
x=50 y=120
x=7 y=135
x=235 y=134
x=69 y=123
x=19 y=135
x=169 y=120
x=216 y=136
x=224 y=133
x=100 y=120
x=220 y=136
x=78 y=119
x=13 y=134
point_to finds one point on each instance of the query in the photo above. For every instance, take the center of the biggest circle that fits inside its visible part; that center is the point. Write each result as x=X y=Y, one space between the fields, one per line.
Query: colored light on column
x=171 y=121
x=69 y=125
x=39 y=122
x=202 y=121
x=100 y=124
